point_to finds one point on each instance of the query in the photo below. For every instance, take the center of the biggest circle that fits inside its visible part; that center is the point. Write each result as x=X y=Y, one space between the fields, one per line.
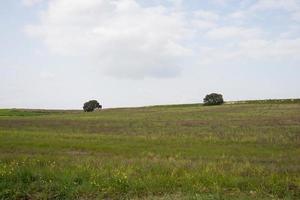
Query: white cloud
x=207 y=15
x=204 y=20
x=221 y=2
x=282 y=50
x=287 y=5
x=237 y=15
x=233 y=32
x=46 y=75
x=296 y=16
x=260 y=50
x=31 y=2
x=200 y=24
x=122 y=37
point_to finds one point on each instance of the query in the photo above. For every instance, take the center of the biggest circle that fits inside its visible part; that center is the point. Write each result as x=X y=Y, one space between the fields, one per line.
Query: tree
x=91 y=105
x=213 y=99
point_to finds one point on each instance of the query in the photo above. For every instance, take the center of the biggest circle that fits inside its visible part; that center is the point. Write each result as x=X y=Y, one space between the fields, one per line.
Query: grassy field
x=235 y=151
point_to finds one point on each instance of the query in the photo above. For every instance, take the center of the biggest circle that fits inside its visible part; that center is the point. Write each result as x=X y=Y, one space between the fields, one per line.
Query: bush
x=213 y=99
x=91 y=105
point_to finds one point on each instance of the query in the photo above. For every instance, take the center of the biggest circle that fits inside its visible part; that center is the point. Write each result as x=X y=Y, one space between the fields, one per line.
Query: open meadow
x=247 y=150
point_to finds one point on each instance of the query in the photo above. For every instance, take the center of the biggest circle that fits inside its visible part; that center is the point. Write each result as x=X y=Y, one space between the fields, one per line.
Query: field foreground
x=234 y=151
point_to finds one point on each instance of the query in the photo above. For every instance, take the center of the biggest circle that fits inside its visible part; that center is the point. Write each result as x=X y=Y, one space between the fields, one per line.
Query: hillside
x=246 y=150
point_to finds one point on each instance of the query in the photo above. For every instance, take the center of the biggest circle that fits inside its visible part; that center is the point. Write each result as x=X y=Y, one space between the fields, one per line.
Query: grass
x=234 y=151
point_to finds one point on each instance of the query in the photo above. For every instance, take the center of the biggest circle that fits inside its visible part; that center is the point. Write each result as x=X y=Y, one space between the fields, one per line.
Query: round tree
x=213 y=99
x=91 y=105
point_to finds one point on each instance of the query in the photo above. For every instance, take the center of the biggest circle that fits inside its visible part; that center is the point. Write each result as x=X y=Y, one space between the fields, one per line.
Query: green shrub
x=213 y=99
x=91 y=105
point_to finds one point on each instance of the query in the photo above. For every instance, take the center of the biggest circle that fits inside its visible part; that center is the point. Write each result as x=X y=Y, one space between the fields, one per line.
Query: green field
x=247 y=150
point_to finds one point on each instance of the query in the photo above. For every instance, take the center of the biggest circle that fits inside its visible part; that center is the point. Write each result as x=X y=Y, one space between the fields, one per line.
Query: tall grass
x=234 y=151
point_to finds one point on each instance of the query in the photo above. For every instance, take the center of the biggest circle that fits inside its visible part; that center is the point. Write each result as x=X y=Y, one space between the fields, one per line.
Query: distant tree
x=213 y=99
x=91 y=105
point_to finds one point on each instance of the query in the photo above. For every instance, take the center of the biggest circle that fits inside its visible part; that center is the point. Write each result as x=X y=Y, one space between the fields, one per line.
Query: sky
x=57 y=54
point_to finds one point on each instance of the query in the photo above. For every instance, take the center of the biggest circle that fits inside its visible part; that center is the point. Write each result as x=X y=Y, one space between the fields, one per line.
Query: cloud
x=122 y=37
x=31 y=2
x=46 y=75
x=233 y=32
x=281 y=49
x=296 y=16
x=288 y=5
x=207 y=15
x=204 y=19
x=237 y=15
x=258 y=50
